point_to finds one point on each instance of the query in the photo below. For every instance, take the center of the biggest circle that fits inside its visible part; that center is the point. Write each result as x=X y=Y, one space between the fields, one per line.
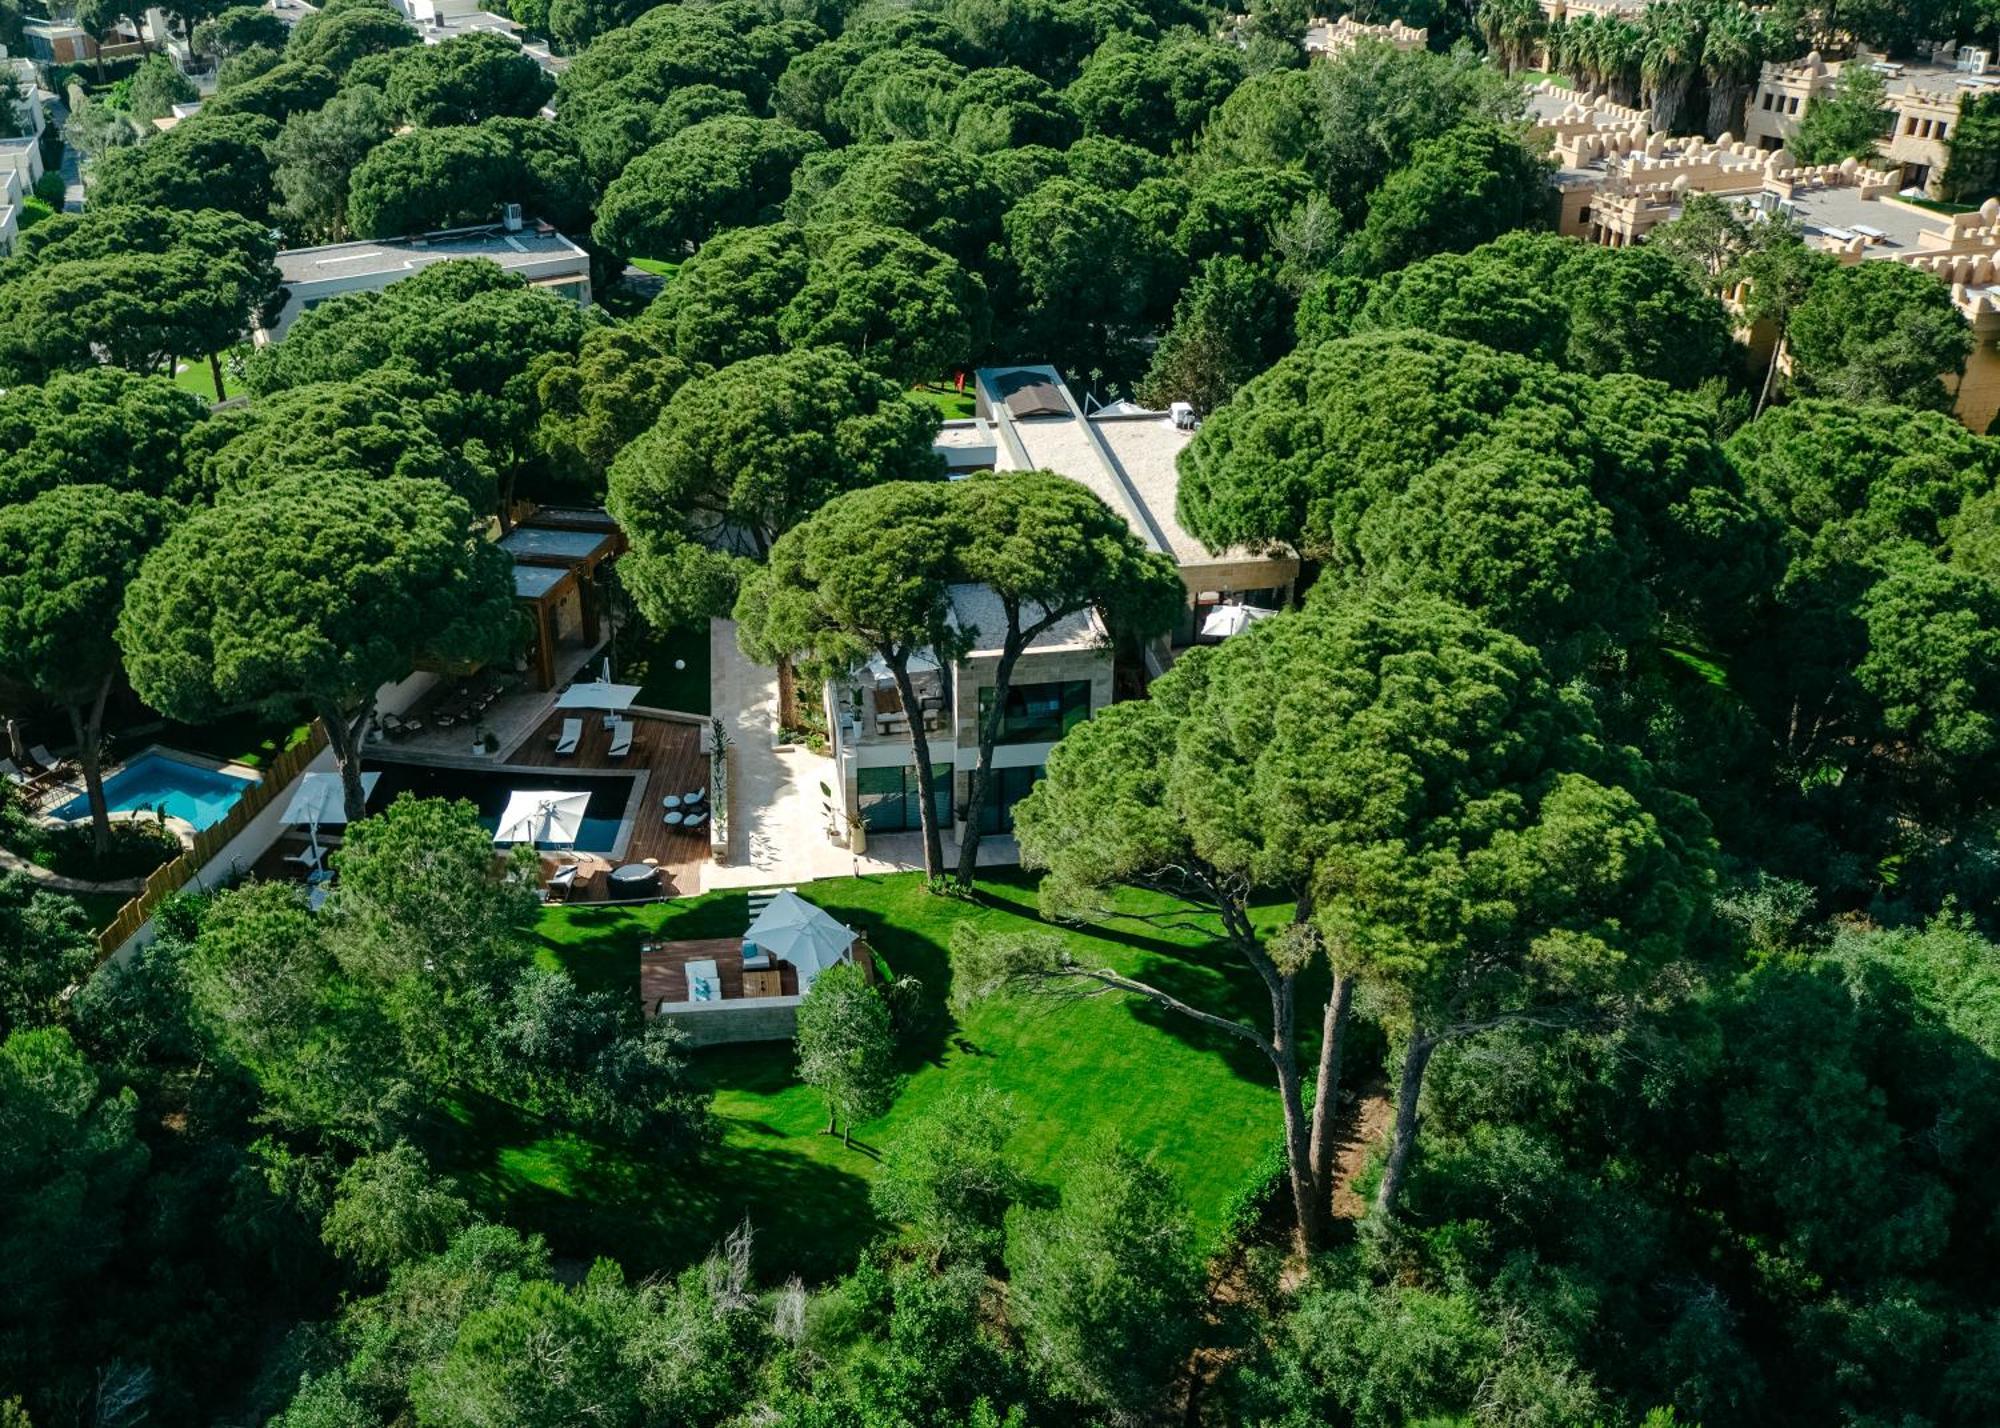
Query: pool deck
x=666 y=757
x=668 y=752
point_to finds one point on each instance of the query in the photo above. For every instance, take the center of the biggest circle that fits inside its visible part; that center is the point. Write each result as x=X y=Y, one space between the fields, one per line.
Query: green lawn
x=658 y=267
x=234 y=739
x=951 y=403
x=646 y=658
x=192 y=374
x=1194 y=1098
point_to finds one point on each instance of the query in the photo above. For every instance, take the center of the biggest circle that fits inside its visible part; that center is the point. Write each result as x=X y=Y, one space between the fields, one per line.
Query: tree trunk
x=1770 y=374
x=89 y=730
x=1306 y=1205
x=982 y=773
x=920 y=745
x=1404 y=1138
x=345 y=739
x=1326 y=1095
x=215 y=375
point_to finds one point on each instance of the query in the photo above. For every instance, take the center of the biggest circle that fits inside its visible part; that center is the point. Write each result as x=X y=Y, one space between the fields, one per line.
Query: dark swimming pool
x=488 y=791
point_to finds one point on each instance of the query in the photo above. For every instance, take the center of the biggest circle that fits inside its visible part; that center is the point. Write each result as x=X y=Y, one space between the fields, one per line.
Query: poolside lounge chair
x=13 y=774
x=48 y=761
x=704 y=981
x=572 y=734
x=621 y=739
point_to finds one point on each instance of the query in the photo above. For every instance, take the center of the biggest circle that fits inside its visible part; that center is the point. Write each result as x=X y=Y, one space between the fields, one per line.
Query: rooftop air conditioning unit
x=510 y=218
x=1973 y=61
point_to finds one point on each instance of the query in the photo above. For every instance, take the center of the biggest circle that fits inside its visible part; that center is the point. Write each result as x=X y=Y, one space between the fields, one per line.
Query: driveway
x=778 y=797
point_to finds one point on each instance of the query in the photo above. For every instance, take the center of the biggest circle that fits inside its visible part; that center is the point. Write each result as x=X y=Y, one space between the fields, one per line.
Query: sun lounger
x=48 y=761
x=13 y=774
x=572 y=735
x=621 y=739
x=704 y=982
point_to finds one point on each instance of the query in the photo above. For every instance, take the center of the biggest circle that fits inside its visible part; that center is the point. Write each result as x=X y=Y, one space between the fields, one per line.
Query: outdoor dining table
x=632 y=876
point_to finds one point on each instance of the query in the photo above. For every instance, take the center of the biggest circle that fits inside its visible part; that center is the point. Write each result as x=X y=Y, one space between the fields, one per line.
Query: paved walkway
x=778 y=827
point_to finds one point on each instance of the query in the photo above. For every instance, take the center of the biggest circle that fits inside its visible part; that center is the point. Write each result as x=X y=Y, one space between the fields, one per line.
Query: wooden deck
x=663 y=970
x=669 y=754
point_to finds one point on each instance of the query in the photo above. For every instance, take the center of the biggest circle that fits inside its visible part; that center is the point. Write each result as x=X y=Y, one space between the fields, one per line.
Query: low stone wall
x=726 y=1023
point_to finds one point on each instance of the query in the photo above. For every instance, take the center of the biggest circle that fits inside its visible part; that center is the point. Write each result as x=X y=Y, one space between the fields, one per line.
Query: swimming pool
x=158 y=780
x=487 y=789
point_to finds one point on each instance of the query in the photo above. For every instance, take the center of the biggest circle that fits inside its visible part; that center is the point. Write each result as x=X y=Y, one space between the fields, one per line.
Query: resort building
x=441 y=20
x=1920 y=107
x=1619 y=179
x=1028 y=419
x=20 y=168
x=1331 y=37
x=529 y=249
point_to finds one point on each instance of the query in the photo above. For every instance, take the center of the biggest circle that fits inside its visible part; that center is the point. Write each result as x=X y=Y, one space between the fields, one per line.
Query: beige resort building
x=1618 y=179
x=1027 y=419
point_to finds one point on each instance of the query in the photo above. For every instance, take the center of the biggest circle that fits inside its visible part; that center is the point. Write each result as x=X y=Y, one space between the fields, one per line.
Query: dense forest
x=1614 y=821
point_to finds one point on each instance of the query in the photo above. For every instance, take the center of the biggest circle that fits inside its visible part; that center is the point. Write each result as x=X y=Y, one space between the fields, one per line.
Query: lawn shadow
x=590 y=1198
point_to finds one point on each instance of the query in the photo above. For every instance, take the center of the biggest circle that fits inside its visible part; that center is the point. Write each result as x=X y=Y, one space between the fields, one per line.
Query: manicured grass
x=658 y=267
x=954 y=405
x=1073 y=1070
x=646 y=658
x=235 y=739
x=192 y=374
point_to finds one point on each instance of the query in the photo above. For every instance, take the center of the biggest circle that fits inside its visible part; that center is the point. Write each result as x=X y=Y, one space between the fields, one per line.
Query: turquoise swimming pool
x=158 y=780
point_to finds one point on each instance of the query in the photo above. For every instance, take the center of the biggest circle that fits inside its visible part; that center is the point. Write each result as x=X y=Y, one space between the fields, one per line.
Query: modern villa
x=530 y=249
x=1027 y=418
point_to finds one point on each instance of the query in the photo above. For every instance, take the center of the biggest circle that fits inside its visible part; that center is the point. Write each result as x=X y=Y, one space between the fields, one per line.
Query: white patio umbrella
x=921 y=662
x=804 y=935
x=321 y=799
x=1226 y=620
x=596 y=694
x=541 y=815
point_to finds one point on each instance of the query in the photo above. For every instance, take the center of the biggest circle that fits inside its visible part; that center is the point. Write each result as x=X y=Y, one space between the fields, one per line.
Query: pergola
x=556 y=554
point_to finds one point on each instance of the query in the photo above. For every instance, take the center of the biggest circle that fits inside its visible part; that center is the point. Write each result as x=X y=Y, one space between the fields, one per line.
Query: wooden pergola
x=556 y=554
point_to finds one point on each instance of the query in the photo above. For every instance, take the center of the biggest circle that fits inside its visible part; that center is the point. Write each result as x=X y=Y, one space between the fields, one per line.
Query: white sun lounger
x=621 y=739
x=704 y=982
x=572 y=734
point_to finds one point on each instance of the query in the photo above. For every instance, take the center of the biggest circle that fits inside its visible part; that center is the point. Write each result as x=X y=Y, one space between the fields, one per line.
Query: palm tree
x=1732 y=53
x=1614 y=49
x=1511 y=29
x=1669 y=56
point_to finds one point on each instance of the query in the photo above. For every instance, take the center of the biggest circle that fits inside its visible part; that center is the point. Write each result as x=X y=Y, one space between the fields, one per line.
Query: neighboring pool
x=158 y=780
x=488 y=790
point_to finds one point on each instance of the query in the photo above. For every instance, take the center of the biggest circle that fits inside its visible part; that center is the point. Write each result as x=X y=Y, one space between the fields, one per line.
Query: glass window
x=1004 y=789
x=1039 y=713
x=888 y=798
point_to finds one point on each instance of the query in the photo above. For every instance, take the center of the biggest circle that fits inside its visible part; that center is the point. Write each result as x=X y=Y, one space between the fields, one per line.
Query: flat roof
x=1833 y=212
x=336 y=261
x=545 y=543
x=976 y=607
x=532 y=582
x=1129 y=461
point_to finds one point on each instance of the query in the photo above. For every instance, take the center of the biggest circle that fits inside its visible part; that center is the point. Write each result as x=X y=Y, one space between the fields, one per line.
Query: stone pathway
x=778 y=813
